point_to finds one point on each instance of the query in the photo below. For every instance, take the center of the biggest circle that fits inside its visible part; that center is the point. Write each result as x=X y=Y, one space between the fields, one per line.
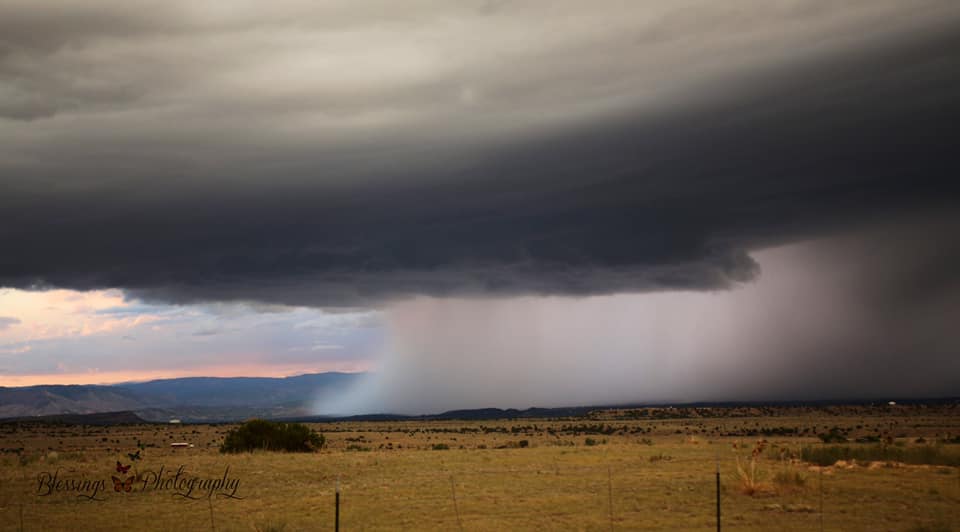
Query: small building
x=175 y=421
x=181 y=444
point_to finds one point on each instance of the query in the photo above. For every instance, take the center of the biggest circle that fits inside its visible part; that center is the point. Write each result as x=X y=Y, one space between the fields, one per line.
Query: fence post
x=718 y=491
x=336 y=514
x=820 y=469
x=213 y=526
x=610 y=496
x=456 y=507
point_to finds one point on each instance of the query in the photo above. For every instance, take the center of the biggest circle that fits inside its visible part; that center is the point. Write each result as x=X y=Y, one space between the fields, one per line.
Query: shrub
x=834 y=436
x=747 y=473
x=441 y=447
x=750 y=483
x=259 y=434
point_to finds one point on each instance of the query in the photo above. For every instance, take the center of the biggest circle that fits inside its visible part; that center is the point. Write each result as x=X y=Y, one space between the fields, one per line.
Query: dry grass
x=789 y=479
x=922 y=453
x=657 y=479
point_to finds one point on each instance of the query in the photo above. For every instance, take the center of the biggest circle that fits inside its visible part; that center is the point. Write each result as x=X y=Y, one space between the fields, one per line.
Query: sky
x=95 y=337
x=489 y=203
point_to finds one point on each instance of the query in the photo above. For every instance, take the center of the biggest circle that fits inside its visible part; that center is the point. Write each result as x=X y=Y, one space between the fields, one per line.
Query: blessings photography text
x=179 y=483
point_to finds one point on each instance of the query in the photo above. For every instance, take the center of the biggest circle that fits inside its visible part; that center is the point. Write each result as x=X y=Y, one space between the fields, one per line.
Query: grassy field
x=624 y=470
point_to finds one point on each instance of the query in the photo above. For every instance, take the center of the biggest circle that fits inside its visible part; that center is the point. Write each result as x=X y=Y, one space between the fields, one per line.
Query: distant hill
x=190 y=399
x=466 y=415
x=240 y=391
x=50 y=400
x=216 y=399
x=664 y=411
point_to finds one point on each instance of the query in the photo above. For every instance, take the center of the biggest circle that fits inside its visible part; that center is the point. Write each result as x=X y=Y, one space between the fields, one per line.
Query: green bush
x=259 y=434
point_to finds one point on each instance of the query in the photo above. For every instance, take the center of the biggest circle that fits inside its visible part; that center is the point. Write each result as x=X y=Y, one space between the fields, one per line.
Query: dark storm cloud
x=661 y=194
x=824 y=322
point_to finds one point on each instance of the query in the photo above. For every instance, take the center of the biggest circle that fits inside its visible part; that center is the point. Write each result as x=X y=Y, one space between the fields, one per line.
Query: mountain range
x=224 y=399
x=188 y=398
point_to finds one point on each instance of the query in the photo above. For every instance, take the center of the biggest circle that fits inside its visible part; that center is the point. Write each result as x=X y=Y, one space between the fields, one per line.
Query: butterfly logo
x=122 y=485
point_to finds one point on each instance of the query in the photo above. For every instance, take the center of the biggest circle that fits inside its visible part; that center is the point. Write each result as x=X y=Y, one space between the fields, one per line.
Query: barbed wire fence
x=602 y=483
